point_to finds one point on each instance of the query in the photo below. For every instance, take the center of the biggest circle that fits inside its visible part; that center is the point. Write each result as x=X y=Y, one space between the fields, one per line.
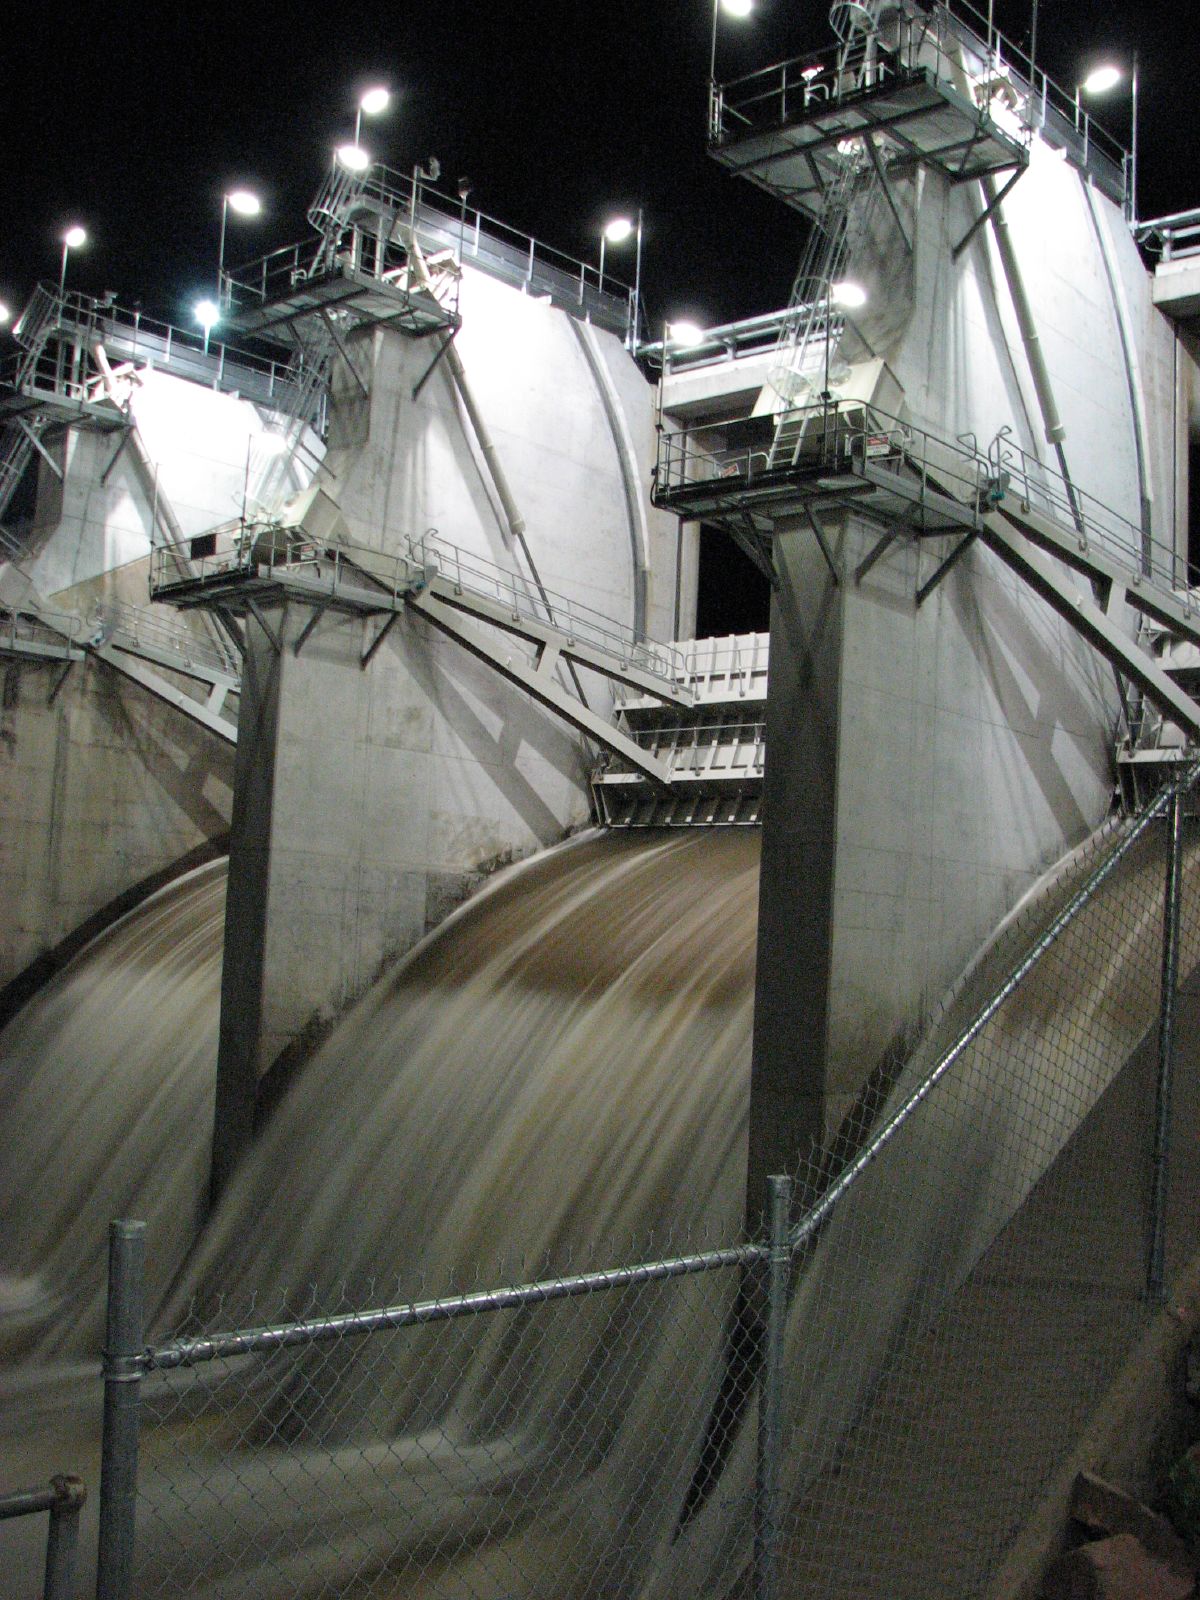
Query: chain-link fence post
x=770 y=1403
x=1155 y=1269
x=62 y=1537
x=123 y=1346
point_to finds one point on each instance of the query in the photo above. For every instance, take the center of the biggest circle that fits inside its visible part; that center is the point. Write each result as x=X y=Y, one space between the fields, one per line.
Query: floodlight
x=685 y=334
x=243 y=202
x=269 y=443
x=74 y=237
x=618 y=230
x=207 y=314
x=353 y=157
x=1102 y=79
x=849 y=295
x=737 y=8
x=372 y=101
x=5 y=314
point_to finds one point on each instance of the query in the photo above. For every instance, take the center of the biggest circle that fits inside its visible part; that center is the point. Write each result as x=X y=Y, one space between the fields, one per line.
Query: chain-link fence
x=869 y=1401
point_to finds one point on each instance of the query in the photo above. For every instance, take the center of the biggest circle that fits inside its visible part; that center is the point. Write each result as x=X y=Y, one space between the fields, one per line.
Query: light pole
x=1102 y=80
x=371 y=103
x=243 y=203
x=614 y=232
x=74 y=239
x=207 y=314
x=732 y=8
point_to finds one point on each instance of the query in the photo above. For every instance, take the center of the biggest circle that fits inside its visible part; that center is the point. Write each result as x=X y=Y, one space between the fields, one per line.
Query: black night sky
x=560 y=111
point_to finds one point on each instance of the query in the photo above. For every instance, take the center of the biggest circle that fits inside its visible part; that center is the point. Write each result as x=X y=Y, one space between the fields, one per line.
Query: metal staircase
x=712 y=754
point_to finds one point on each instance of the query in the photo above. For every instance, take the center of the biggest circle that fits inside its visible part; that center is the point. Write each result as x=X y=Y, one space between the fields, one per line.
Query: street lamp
x=74 y=239
x=207 y=314
x=353 y=157
x=1102 y=80
x=739 y=9
x=616 y=231
x=243 y=203
x=371 y=103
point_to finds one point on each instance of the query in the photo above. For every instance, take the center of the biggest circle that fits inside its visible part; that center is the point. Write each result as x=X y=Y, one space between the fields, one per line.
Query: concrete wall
x=205 y=451
x=102 y=788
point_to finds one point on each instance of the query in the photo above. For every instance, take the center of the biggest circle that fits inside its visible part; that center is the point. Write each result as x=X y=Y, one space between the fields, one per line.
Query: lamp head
x=74 y=237
x=1101 y=79
x=685 y=334
x=353 y=157
x=849 y=295
x=244 y=202
x=618 y=230
x=207 y=314
x=374 y=101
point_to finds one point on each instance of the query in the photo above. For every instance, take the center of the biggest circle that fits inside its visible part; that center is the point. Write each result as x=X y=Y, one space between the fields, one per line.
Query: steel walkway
x=911 y=481
x=311 y=559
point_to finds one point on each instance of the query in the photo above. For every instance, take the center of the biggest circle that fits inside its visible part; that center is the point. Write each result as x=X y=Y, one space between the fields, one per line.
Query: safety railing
x=62 y=1499
x=952 y=36
x=470 y=236
x=59 y=332
x=253 y=549
x=31 y=626
x=476 y=575
x=138 y=628
x=841 y=436
x=1024 y=478
x=1176 y=237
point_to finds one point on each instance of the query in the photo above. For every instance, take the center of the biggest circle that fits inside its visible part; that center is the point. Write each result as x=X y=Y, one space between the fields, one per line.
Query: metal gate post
x=62 y=1537
x=123 y=1346
x=1155 y=1268
x=770 y=1403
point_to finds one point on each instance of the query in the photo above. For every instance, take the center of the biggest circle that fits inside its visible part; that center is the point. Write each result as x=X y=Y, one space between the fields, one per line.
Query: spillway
x=570 y=1053
x=561 y=1067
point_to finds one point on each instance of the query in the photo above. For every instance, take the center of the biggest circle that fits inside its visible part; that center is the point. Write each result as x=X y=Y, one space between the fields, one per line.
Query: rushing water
x=560 y=1069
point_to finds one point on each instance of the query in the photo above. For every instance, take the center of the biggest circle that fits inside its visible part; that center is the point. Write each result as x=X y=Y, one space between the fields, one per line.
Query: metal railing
x=838 y=436
x=251 y=548
x=472 y=237
x=142 y=628
x=58 y=333
x=871 y=1399
x=938 y=42
x=1177 y=237
x=63 y=1499
x=17 y=626
x=1026 y=479
x=583 y=624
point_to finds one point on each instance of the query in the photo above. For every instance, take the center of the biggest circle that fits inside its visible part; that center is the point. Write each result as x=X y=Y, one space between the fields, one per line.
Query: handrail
x=929 y=42
x=1169 y=233
x=52 y=317
x=474 y=238
x=420 y=560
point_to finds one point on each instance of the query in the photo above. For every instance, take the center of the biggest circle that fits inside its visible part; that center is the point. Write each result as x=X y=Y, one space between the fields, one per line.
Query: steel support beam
x=1090 y=619
x=198 y=710
x=537 y=679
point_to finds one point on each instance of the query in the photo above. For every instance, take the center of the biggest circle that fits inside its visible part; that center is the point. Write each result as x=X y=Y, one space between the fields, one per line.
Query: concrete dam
x=406 y=904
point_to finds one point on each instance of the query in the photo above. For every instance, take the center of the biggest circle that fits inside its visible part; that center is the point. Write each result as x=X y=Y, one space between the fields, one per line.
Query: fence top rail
x=317 y=1330
x=806 y=1226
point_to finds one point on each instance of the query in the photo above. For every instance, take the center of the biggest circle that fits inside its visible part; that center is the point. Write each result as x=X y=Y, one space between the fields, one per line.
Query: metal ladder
x=831 y=249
